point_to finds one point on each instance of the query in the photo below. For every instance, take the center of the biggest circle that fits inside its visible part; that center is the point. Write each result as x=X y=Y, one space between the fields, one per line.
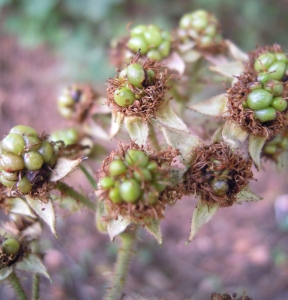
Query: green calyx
x=150 y=40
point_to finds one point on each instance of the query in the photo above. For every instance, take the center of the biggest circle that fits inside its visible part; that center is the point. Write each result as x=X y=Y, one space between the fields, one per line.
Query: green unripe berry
x=9 y=175
x=263 y=62
x=210 y=30
x=136 y=158
x=10 y=246
x=24 y=185
x=206 y=41
x=279 y=103
x=114 y=195
x=65 y=99
x=164 y=48
x=106 y=182
x=123 y=73
x=270 y=149
x=199 y=13
x=151 y=196
x=124 y=96
x=219 y=187
x=263 y=77
x=153 y=36
x=46 y=150
x=130 y=190
x=152 y=166
x=277 y=70
x=138 y=30
x=22 y=129
x=276 y=140
x=33 y=160
x=274 y=87
x=160 y=186
x=255 y=86
x=142 y=175
x=259 y=99
x=135 y=74
x=166 y=36
x=245 y=104
x=281 y=57
x=136 y=43
x=284 y=144
x=68 y=136
x=65 y=112
x=117 y=167
x=13 y=143
x=185 y=22
x=32 y=142
x=266 y=114
x=11 y=162
x=154 y=54
x=7 y=183
x=199 y=22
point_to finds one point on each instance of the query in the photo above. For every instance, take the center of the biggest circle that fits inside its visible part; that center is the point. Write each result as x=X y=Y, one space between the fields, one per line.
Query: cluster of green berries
x=22 y=155
x=67 y=100
x=10 y=246
x=275 y=146
x=68 y=136
x=265 y=99
x=136 y=76
x=134 y=179
x=201 y=27
x=152 y=41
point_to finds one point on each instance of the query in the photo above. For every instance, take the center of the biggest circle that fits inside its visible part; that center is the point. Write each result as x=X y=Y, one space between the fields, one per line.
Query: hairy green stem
x=122 y=265
x=88 y=176
x=14 y=281
x=35 y=287
x=153 y=138
x=70 y=192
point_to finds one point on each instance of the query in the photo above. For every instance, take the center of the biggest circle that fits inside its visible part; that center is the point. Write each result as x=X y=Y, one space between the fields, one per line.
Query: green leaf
x=116 y=122
x=44 y=210
x=233 y=134
x=166 y=116
x=5 y=272
x=256 y=144
x=247 y=195
x=32 y=263
x=217 y=136
x=202 y=214
x=174 y=62
x=215 y=106
x=116 y=227
x=229 y=69
x=20 y=207
x=185 y=142
x=64 y=166
x=236 y=52
x=153 y=227
x=138 y=129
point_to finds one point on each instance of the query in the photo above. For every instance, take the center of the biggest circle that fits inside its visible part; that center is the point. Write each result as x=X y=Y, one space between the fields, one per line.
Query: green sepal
x=18 y=206
x=115 y=227
x=116 y=122
x=202 y=214
x=32 y=263
x=5 y=272
x=175 y=62
x=166 y=116
x=229 y=69
x=217 y=136
x=101 y=225
x=153 y=227
x=45 y=210
x=191 y=56
x=215 y=106
x=247 y=195
x=236 y=52
x=256 y=144
x=138 y=129
x=186 y=143
x=233 y=134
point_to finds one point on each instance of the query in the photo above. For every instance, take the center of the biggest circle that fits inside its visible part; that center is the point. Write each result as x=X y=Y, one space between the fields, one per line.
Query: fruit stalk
x=14 y=281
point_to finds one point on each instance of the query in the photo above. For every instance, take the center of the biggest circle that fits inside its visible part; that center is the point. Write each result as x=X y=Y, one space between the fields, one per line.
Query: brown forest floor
x=233 y=253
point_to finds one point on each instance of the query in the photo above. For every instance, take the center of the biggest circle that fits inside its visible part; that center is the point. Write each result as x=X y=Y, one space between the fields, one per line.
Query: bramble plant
x=160 y=162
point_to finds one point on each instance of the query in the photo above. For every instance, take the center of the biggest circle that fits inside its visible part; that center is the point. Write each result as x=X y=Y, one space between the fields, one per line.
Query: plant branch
x=70 y=192
x=35 y=287
x=14 y=281
x=88 y=176
x=122 y=265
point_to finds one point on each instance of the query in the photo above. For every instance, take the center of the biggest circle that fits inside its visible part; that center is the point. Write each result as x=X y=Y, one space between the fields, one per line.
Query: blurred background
x=49 y=43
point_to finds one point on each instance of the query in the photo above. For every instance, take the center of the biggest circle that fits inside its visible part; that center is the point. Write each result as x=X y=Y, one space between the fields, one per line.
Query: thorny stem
x=69 y=191
x=153 y=138
x=122 y=264
x=35 y=287
x=14 y=281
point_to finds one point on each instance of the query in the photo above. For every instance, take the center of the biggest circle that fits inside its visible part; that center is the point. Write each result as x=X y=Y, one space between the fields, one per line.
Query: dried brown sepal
x=152 y=95
x=215 y=296
x=238 y=94
x=237 y=172
x=253 y=55
x=139 y=212
x=10 y=260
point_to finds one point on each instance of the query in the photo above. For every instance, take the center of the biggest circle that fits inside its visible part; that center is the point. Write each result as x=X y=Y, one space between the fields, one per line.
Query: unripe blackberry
x=275 y=146
x=10 y=246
